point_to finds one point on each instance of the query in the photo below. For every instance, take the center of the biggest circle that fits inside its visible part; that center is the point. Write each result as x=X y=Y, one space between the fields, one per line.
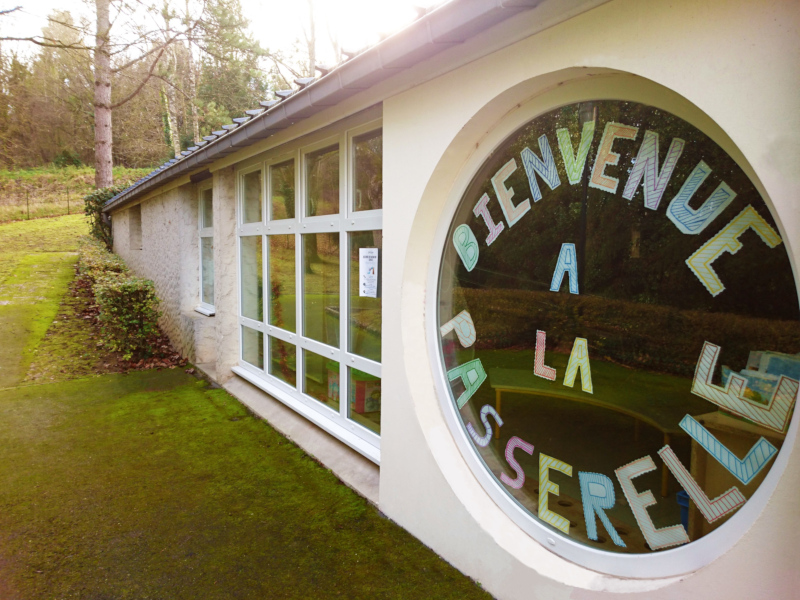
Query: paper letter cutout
x=545 y=167
x=605 y=156
x=712 y=510
x=466 y=245
x=579 y=359
x=573 y=164
x=472 y=376
x=656 y=538
x=487 y=437
x=692 y=221
x=547 y=487
x=597 y=496
x=727 y=240
x=743 y=469
x=504 y=195
x=774 y=415
x=539 y=368
x=567 y=263
x=513 y=443
x=646 y=166
x=464 y=328
x=481 y=210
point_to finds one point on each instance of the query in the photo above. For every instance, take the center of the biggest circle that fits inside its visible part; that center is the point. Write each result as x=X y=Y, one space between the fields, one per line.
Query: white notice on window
x=368 y=272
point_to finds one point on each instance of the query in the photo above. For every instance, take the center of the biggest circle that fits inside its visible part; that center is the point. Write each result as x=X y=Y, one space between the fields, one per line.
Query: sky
x=275 y=23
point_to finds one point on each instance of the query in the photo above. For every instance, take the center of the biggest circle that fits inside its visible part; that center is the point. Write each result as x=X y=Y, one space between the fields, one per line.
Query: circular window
x=619 y=327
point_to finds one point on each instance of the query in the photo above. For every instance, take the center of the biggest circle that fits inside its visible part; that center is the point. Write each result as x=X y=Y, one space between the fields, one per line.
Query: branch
x=142 y=83
x=9 y=11
x=47 y=42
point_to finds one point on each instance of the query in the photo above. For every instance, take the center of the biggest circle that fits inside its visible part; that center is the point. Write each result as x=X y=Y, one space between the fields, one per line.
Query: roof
x=443 y=27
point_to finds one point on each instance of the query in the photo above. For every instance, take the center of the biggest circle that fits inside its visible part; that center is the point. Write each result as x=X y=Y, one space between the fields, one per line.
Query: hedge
x=128 y=305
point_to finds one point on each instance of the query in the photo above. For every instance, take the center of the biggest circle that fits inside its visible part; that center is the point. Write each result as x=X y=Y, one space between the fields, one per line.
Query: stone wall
x=170 y=256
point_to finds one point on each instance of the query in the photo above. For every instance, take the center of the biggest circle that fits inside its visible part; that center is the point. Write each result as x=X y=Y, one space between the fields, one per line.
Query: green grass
x=49 y=191
x=153 y=485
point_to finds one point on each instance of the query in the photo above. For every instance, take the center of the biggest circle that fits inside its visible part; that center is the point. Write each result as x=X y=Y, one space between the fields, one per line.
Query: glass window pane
x=322 y=182
x=592 y=328
x=253 y=347
x=281 y=191
x=207 y=208
x=368 y=153
x=321 y=287
x=283 y=361
x=364 y=406
x=252 y=293
x=282 y=306
x=251 y=197
x=365 y=311
x=321 y=379
x=207 y=269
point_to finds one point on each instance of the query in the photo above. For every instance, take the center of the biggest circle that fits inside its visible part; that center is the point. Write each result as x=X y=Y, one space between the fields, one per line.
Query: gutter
x=446 y=26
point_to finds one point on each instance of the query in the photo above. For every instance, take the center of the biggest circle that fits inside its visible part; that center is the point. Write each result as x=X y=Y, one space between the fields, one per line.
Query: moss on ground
x=154 y=485
x=29 y=300
x=58 y=234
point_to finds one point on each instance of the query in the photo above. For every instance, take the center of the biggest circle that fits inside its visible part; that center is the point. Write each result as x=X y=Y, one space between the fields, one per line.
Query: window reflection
x=321 y=287
x=282 y=190
x=368 y=167
x=251 y=197
x=252 y=274
x=283 y=304
x=322 y=182
x=365 y=311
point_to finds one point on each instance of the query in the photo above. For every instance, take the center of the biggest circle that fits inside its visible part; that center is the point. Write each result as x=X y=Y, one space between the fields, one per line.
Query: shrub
x=96 y=262
x=128 y=305
x=128 y=313
x=99 y=224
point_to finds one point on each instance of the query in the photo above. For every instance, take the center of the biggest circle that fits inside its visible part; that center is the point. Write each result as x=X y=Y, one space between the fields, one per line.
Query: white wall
x=730 y=68
x=170 y=256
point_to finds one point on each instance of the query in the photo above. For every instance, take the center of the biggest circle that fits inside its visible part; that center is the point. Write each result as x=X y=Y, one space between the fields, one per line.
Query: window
x=619 y=330
x=135 y=227
x=310 y=262
x=206 y=228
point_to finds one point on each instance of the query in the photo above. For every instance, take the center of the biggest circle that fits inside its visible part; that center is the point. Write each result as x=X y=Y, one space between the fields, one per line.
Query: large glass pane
x=252 y=292
x=321 y=379
x=283 y=361
x=207 y=269
x=207 y=209
x=251 y=197
x=368 y=153
x=364 y=402
x=365 y=293
x=281 y=192
x=282 y=306
x=321 y=287
x=322 y=182
x=612 y=332
x=253 y=347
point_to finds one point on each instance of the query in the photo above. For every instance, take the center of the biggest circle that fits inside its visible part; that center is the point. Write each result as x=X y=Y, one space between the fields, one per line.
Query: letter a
x=567 y=263
x=579 y=359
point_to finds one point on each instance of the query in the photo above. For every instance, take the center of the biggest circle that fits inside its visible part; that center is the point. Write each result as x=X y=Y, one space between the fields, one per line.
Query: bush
x=96 y=262
x=128 y=305
x=128 y=313
x=93 y=203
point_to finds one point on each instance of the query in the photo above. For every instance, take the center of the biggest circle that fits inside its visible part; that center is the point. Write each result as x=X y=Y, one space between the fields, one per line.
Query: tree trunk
x=311 y=40
x=102 y=98
x=169 y=93
x=193 y=87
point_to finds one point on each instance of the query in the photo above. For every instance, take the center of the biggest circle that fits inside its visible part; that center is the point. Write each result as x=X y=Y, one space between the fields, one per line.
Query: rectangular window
x=206 y=231
x=322 y=332
x=135 y=227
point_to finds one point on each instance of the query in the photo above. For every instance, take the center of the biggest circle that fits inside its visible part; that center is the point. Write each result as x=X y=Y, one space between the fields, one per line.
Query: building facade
x=522 y=274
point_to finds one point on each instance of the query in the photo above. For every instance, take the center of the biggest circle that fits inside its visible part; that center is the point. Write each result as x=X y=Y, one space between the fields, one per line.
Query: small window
x=135 y=227
x=206 y=225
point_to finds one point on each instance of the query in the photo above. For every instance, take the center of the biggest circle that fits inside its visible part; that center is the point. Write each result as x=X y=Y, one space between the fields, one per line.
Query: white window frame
x=347 y=221
x=202 y=307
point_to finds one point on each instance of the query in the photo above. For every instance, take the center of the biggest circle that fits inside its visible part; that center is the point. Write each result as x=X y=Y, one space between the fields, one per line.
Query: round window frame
x=674 y=562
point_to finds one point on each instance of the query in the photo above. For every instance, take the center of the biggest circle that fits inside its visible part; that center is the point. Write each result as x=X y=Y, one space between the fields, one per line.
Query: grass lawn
x=154 y=484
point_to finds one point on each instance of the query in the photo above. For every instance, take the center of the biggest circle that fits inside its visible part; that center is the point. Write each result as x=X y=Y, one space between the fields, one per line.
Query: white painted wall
x=170 y=256
x=729 y=67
